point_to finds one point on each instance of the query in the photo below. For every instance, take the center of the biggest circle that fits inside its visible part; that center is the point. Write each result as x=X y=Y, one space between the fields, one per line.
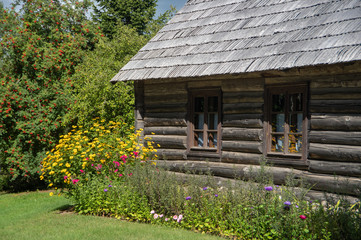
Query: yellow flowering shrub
x=102 y=151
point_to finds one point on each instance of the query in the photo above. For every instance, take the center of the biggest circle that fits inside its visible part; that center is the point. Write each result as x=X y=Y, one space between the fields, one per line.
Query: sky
x=163 y=5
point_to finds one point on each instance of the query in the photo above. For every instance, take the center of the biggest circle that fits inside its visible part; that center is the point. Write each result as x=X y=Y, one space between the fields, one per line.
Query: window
x=286 y=113
x=205 y=120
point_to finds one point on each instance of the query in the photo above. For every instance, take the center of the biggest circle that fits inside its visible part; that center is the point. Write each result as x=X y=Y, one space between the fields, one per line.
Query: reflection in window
x=286 y=119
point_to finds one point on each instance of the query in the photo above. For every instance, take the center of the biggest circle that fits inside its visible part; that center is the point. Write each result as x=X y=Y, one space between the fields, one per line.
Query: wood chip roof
x=215 y=37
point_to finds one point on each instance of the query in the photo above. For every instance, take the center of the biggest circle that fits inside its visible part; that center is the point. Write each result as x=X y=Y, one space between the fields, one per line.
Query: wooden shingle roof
x=215 y=37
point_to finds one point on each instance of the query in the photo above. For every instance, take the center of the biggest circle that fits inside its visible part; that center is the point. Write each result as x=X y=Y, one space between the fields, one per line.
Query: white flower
x=152 y=212
x=180 y=218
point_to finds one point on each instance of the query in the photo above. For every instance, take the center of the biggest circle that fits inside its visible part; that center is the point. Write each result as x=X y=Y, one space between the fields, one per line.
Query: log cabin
x=227 y=84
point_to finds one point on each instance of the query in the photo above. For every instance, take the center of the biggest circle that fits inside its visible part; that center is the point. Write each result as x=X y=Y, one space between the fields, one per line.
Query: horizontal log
x=163 y=89
x=243 y=120
x=338 y=81
x=166 y=115
x=244 y=134
x=166 y=131
x=335 y=106
x=169 y=142
x=167 y=98
x=152 y=122
x=241 y=158
x=242 y=146
x=336 y=122
x=166 y=108
x=234 y=108
x=209 y=156
x=335 y=137
x=250 y=84
x=238 y=97
x=171 y=154
x=333 y=152
x=323 y=182
x=337 y=168
x=335 y=93
x=204 y=84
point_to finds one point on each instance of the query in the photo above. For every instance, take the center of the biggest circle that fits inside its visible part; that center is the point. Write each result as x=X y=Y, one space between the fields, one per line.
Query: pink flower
x=65 y=177
x=75 y=181
x=303 y=217
x=152 y=212
x=116 y=163
x=120 y=175
x=155 y=216
x=130 y=174
x=175 y=217
x=116 y=170
x=161 y=215
x=135 y=154
x=180 y=218
x=166 y=219
x=82 y=171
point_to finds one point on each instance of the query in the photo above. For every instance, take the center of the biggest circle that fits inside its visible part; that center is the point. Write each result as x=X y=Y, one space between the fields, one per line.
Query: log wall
x=334 y=133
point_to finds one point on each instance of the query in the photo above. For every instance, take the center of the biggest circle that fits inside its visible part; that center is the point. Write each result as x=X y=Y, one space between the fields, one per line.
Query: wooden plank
x=166 y=131
x=242 y=146
x=166 y=108
x=341 y=81
x=338 y=168
x=170 y=142
x=243 y=120
x=335 y=93
x=335 y=137
x=238 y=97
x=341 y=153
x=336 y=122
x=171 y=154
x=250 y=84
x=152 y=122
x=163 y=89
x=242 y=134
x=235 y=108
x=167 y=98
x=335 y=106
x=166 y=115
x=241 y=158
x=204 y=84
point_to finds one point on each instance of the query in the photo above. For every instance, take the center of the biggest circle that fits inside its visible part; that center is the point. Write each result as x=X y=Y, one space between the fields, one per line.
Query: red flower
x=303 y=217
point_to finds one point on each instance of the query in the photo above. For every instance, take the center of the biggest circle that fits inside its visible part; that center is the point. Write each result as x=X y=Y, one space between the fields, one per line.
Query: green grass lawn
x=36 y=215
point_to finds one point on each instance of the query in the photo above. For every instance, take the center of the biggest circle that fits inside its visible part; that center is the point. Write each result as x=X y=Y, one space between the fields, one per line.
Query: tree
x=134 y=13
x=43 y=43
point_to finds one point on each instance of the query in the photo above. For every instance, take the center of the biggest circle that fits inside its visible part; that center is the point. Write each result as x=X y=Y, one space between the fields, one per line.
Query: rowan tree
x=43 y=42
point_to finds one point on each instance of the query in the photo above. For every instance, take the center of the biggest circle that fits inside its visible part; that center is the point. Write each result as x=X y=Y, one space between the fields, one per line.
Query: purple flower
x=287 y=203
x=110 y=185
x=188 y=198
x=216 y=195
x=205 y=188
x=296 y=206
x=268 y=188
x=105 y=190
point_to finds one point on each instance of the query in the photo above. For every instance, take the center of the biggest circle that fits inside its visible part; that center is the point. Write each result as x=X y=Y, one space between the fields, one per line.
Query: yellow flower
x=51 y=184
x=67 y=165
x=51 y=194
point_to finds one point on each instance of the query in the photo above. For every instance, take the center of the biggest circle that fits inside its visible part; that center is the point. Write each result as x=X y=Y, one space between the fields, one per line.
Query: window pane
x=198 y=139
x=278 y=122
x=278 y=103
x=296 y=123
x=294 y=143
x=212 y=121
x=198 y=120
x=277 y=143
x=212 y=140
x=296 y=102
x=212 y=104
x=199 y=104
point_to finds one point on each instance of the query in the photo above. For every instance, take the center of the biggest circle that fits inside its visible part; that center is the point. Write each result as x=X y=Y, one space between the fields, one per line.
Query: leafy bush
x=97 y=154
x=42 y=43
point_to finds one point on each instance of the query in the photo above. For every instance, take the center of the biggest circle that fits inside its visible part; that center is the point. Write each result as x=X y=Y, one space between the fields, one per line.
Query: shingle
x=209 y=37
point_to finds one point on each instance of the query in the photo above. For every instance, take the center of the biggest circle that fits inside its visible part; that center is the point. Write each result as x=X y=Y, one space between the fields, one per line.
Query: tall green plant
x=42 y=43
